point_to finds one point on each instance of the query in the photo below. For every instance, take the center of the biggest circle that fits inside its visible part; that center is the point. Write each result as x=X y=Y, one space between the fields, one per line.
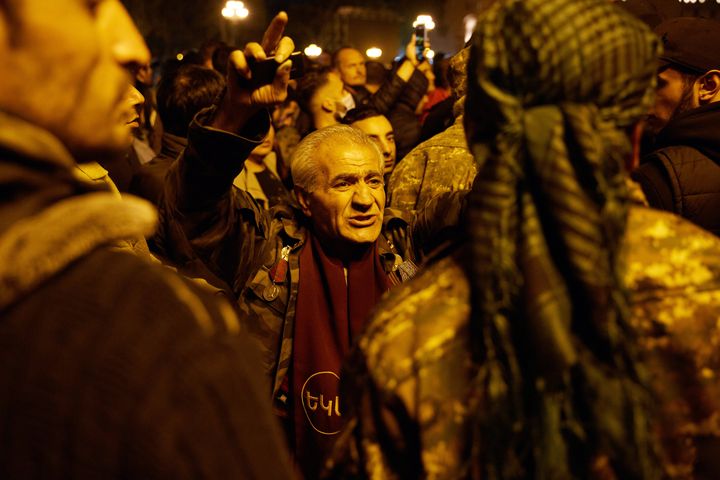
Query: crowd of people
x=504 y=265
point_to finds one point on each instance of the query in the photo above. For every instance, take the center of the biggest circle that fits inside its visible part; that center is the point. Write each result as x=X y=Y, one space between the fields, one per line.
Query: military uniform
x=440 y=164
x=414 y=364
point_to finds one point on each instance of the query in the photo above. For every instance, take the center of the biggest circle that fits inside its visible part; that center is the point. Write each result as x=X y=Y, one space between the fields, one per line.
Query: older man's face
x=347 y=206
x=66 y=69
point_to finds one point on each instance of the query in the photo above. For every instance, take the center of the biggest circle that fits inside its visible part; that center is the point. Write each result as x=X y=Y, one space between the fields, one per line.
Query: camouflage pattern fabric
x=413 y=370
x=441 y=164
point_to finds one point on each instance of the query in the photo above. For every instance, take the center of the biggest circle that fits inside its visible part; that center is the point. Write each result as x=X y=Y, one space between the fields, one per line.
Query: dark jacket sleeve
x=655 y=184
x=207 y=227
x=402 y=116
x=387 y=95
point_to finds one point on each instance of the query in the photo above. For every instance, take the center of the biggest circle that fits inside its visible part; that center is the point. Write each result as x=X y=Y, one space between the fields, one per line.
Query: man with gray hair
x=305 y=279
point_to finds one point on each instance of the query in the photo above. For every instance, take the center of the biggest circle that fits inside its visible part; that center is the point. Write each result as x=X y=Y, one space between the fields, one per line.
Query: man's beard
x=654 y=126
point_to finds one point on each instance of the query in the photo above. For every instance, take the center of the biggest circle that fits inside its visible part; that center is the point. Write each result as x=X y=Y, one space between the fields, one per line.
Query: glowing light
x=426 y=20
x=373 y=52
x=313 y=50
x=470 y=22
x=180 y=56
x=234 y=10
x=430 y=54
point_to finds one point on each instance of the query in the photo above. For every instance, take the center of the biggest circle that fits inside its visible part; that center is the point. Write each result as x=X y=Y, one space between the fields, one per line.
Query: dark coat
x=110 y=366
x=683 y=175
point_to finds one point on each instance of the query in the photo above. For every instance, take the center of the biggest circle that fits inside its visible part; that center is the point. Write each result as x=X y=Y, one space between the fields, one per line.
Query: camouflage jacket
x=441 y=164
x=412 y=369
x=209 y=229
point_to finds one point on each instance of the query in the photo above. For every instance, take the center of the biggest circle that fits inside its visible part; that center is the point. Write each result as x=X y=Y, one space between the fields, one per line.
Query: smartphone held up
x=263 y=72
x=420 y=39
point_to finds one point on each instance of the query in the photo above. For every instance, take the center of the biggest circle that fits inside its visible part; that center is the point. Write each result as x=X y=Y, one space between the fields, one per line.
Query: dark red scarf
x=329 y=316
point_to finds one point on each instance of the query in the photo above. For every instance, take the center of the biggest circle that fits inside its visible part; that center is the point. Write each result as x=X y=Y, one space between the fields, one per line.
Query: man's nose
x=127 y=45
x=362 y=198
x=136 y=98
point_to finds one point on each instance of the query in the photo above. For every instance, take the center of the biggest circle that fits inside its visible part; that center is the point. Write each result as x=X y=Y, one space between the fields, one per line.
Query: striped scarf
x=553 y=87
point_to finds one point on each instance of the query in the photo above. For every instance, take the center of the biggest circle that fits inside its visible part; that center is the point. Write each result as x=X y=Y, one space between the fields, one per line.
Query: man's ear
x=709 y=90
x=328 y=105
x=303 y=199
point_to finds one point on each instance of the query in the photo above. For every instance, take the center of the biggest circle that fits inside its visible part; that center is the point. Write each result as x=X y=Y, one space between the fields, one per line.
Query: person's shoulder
x=147 y=293
x=418 y=321
x=452 y=138
x=667 y=252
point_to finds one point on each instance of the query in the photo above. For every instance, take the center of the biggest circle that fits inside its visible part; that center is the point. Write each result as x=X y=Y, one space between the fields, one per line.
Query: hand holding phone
x=262 y=72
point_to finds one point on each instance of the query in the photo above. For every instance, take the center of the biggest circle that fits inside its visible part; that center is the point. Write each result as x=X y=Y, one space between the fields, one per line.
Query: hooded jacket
x=683 y=175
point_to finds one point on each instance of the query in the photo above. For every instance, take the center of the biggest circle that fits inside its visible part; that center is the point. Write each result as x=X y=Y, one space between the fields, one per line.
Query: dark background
x=174 y=26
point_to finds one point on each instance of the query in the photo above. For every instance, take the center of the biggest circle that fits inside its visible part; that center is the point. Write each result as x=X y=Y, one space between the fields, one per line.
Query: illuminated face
x=346 y=207
x=672 y=96
x=66 y=69
x=351 y=66
x=133 y=103
x=381 y=131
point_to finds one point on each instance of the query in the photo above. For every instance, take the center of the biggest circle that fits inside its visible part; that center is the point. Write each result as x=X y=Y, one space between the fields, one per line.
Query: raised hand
x=242 y=101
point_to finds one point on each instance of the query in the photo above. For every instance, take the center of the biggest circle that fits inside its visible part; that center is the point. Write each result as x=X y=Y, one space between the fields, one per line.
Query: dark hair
x=308 y=85
x=376 y=72
x=184 y=92
x=220 y=58
x=441 y=65
x=360 y=113
x=208 y=48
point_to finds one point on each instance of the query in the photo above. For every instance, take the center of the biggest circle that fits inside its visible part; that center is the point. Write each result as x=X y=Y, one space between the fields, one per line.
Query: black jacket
x=683 y=175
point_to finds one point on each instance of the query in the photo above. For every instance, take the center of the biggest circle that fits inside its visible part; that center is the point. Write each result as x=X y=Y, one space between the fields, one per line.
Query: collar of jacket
x=36 y=247
x=28 y=140
x=172 y=145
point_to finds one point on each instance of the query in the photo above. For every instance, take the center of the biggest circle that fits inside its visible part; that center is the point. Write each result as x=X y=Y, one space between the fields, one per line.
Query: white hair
x=303 y=163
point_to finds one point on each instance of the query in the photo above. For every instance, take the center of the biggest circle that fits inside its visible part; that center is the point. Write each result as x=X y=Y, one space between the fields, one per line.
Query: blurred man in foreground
x=110 y=367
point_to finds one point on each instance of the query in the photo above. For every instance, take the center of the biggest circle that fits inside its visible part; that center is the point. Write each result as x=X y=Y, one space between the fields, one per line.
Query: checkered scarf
x=553 y=87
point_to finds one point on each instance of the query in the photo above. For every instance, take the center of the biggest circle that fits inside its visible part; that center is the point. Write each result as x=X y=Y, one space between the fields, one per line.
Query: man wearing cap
x=683 y=175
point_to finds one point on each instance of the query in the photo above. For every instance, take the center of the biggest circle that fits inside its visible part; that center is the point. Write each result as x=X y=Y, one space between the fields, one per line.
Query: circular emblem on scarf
x=321 y=402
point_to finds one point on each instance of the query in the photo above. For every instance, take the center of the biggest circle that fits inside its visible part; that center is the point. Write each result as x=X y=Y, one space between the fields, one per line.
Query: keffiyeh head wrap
x=553 y=87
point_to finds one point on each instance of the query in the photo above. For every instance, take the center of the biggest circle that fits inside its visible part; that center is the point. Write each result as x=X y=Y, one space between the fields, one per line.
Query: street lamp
x=426 y=20
x=234 y=10
x=373 y=52
x=313 y=51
